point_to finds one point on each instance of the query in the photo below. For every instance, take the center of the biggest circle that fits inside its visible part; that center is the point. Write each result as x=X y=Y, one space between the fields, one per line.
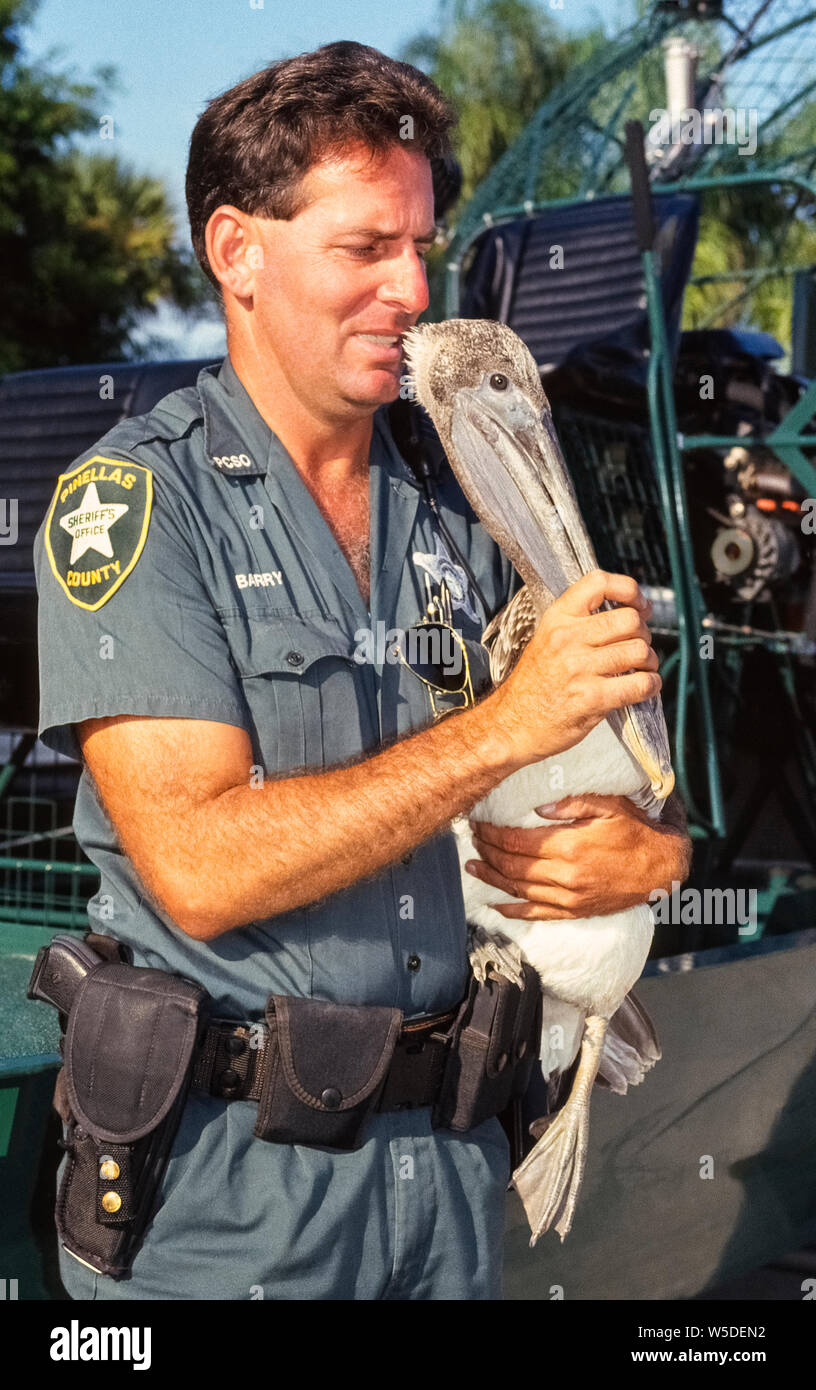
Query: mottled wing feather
x=508 y=633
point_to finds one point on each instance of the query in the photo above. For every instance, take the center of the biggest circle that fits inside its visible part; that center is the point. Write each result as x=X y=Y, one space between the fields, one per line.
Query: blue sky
x=171 y=56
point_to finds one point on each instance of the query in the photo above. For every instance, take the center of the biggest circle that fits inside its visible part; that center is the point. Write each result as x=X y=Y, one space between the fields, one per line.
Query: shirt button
x=406 y=858
x=413 y=962
x=295 y=658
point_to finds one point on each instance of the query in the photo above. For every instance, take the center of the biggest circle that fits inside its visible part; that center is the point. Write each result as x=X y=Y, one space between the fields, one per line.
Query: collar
x=239 y=442
x=236 y=436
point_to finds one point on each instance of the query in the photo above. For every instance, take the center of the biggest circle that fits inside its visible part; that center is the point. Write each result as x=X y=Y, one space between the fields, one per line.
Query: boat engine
x=750 y=526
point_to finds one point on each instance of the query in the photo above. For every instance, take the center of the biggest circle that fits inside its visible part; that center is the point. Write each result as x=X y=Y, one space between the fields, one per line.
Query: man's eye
x=361 y=250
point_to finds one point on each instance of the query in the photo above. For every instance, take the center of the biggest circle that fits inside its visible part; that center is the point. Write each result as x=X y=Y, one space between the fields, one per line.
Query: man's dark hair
x=252 y=145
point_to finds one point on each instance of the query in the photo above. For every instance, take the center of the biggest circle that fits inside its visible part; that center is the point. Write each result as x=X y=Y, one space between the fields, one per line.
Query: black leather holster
x=128 y=1050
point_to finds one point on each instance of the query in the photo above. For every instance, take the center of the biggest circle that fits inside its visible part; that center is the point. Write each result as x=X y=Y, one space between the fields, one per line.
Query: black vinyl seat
x=569 y=277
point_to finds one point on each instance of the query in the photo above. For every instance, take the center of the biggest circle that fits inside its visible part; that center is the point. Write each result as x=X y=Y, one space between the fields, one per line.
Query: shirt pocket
x=305 y=691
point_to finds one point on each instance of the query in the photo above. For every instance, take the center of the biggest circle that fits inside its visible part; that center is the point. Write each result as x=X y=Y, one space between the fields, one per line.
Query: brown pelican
x=481 y=387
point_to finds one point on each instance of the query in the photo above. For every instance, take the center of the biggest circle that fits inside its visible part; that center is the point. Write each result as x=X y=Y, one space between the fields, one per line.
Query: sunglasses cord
x=419 y=463
x=433 y=503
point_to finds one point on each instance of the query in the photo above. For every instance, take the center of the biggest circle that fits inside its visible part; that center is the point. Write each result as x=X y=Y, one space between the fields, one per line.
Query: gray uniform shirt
x=184 y=570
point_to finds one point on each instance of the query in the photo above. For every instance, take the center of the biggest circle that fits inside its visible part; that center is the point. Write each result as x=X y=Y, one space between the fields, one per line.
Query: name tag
x=259 y=581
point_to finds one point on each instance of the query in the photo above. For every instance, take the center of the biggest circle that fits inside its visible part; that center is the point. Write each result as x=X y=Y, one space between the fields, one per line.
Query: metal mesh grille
x=761 y=56
x=612 y=470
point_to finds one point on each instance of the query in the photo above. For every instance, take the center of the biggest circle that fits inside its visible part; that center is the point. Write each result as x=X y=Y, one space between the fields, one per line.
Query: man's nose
x=406 y=283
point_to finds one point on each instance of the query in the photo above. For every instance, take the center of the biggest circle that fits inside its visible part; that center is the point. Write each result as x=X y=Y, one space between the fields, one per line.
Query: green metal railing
x=45 y=892
x=690 y=609
x=45 y=880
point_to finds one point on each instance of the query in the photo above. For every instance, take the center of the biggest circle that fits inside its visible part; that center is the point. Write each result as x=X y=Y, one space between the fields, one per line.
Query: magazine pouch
x=494 y=1045
x=326 y=1069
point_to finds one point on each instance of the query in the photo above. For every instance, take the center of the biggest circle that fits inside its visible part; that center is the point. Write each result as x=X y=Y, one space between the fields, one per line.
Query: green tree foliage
x=497 y=61
x=86 y=244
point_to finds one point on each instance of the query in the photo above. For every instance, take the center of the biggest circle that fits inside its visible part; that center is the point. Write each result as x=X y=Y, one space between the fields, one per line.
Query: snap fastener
x=235 y=1046
x=331 y=1098
x=520 y=1051
x=229 y=1080
x=108 y=1168
x=413 y=962
x=501 y=1061
x=295 y=658
x=111 y=1201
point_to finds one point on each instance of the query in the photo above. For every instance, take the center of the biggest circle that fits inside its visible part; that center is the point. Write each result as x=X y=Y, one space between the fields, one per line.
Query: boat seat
x=572 y=276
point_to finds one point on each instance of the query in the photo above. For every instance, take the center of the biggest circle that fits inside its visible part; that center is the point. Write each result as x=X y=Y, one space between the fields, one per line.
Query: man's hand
x=610 y=858
x=582 y=662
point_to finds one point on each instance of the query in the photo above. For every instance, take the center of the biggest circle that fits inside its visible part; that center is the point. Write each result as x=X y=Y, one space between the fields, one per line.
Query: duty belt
x=136 y=1039
x=233 y=1059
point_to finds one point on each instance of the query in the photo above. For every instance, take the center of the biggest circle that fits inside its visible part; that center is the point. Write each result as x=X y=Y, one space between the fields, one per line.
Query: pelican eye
x=499 y=382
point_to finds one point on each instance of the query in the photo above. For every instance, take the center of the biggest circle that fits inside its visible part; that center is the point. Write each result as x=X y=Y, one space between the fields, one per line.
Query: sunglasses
x=434 y=652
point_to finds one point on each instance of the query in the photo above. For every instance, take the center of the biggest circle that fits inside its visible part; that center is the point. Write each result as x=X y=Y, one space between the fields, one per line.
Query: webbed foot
x=491 y=948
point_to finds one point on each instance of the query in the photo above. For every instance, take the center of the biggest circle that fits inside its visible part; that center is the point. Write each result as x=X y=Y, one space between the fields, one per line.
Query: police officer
x=263 y=790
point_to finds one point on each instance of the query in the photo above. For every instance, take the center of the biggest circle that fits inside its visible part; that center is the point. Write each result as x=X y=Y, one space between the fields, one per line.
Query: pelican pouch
x=328 y=1064
x=128 y=1056
x=493 y=1046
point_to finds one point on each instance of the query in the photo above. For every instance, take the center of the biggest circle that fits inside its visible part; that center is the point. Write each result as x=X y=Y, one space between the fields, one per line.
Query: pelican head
x=481 y=387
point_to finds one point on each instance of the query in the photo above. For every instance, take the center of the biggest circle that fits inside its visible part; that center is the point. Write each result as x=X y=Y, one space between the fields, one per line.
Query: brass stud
x=111 y=1201
x=109 y=1169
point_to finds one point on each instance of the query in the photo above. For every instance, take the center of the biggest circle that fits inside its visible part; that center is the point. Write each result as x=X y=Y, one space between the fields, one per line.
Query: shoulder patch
x=97 y=526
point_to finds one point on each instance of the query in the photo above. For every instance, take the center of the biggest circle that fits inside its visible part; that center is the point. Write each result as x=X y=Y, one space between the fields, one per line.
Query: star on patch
x=96 y=527
x=88 y=525
x=442 y=570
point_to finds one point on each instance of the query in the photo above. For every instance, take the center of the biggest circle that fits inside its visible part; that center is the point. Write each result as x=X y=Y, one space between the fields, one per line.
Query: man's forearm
x=254 y=852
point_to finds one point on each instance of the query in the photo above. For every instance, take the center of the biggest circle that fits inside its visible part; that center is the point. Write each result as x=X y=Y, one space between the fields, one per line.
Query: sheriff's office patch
x=97 y=526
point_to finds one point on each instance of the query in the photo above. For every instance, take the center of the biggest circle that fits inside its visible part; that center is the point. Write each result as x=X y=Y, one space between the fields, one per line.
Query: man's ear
x=234 y=250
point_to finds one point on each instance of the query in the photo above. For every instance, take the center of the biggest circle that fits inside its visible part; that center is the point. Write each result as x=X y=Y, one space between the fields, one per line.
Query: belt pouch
x=494 y=1045
x=327 y=1065
x=129 y=1051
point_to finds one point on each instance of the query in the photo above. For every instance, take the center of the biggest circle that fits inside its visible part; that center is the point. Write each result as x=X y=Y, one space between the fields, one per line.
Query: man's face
x=349 y=266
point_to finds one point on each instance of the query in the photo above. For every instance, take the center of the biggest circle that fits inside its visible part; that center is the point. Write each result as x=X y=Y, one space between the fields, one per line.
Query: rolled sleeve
x=155 y=647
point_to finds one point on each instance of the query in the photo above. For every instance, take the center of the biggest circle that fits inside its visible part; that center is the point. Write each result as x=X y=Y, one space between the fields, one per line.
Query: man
x=269 y=814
